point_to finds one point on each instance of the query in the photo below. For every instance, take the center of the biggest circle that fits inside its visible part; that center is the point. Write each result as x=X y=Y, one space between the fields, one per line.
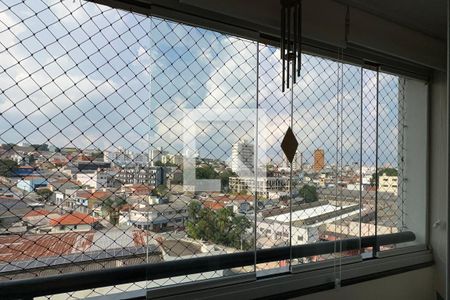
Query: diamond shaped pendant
x=289 y=145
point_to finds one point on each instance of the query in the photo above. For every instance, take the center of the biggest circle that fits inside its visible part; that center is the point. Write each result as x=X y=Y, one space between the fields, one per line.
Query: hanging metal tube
x=294 y=59
x=290 y=9
x=282 y=46
x=299 y=24
x=288 y=45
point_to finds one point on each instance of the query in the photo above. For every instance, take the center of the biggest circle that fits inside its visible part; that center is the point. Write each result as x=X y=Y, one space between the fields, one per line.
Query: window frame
x=399 y=259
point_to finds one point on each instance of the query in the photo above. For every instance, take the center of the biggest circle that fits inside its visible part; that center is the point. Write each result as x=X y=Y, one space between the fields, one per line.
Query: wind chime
x=291 y=19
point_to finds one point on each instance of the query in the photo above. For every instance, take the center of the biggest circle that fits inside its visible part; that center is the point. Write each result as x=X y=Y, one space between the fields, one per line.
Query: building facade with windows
x=242 y=158
x=319 y=160
x=153 y=176
x=261 y=184
x=388 y=184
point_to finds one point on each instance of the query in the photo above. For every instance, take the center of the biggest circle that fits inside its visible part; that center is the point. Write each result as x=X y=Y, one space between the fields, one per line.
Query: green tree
x=381 y=172
x=8 y=146
x=243 y=192
x=111 y=207
x=309 y=193
x=31 y=159
x=225 y=179
x=222 y=227
x=161 y=190
x=45 y=194
x=269 y=170
x=194 y=209
x=167 y=164
x=40 y=147
x=97 y=155
x=7 y=167
x=206 y=172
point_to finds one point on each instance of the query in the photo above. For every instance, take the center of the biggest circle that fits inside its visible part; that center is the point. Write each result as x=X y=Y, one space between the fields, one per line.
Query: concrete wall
x=438 y=180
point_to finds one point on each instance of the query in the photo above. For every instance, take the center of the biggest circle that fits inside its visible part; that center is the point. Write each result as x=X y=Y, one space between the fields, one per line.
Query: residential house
x=74 y=221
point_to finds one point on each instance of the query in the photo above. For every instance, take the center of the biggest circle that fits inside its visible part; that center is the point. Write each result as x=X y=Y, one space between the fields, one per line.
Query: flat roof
x=304 y=214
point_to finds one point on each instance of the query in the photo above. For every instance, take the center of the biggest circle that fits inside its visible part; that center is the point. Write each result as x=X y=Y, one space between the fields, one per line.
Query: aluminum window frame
x=311 y=275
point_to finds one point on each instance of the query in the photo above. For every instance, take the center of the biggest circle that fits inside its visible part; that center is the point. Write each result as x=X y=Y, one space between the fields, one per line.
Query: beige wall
x=438 y=188
x=414 y=285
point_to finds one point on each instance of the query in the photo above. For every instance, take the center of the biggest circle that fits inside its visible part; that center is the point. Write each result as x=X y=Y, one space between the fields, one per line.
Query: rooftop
x=316 y=214
x=179 y=248
x=38 y=250
x=37 y=212
x=75 y=218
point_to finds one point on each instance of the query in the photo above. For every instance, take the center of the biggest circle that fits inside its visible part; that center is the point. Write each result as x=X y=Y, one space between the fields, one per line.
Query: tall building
x=156 y=156
x=297 y=163
x=242 y=158
x=125 y=158
x=176 y=159
x=388 y=184
x=319 y=160
x=141 y=175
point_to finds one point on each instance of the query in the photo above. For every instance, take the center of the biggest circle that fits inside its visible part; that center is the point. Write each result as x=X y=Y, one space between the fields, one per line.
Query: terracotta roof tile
x=37 y=212
x=75 y=218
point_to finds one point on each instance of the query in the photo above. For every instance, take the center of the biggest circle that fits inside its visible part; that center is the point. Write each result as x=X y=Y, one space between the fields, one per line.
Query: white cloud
x=222 y=74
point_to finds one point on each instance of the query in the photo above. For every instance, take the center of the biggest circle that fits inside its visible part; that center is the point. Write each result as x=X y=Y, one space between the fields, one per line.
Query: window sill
x=297 y=283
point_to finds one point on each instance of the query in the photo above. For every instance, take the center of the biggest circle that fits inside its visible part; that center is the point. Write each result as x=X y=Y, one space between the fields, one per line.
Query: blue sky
x=100 y=77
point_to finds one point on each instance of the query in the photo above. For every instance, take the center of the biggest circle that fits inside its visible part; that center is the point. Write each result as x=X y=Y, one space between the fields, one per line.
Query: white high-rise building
x=125 y=158
x=298 y=160
x=242 y=158
x=155 y=156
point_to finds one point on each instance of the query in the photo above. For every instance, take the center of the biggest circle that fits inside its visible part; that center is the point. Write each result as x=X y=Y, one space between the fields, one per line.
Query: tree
x=309 y=193
x=381 y=172
x=8 y=146
x=194 y=209
x=7 y=167
x=40 y=147
x=243 y=192
x=97 y=155
x=269 y=170
x=45 y=194
x=167 y=164
x=31 y=159
x=222 y=227
x=225 y=179
x=112 y=206
x=206 y=172
x=161 y=190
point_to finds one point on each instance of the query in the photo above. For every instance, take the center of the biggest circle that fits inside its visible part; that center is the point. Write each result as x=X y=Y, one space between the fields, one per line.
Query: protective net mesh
x=129 y=139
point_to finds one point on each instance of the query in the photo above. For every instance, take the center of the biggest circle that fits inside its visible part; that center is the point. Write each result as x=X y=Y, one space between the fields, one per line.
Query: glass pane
x=202 y=134
x=315 y=104
x=273 y=217
x=74 y=107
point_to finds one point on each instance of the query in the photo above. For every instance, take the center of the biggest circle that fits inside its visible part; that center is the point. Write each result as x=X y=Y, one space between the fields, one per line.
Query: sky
x=75 y=73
